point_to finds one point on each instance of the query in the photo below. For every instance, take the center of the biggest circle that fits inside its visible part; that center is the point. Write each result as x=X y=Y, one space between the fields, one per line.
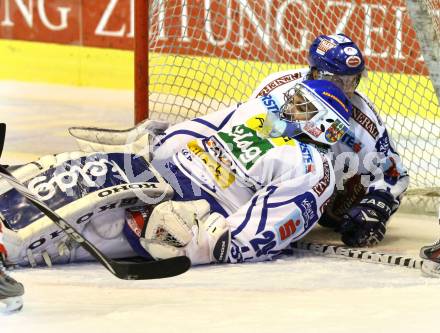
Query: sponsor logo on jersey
x=353 y=61
x=219 y=153
x=272 y=85
x=307 y=204
x=350 y=140
x=324 y=46
x=270 y=104
x=312 y=129
x=286 y=230
x=335 y=131
x=324 y=182
x=363 y=120
x=256 y=123
x=245 y=144
x=220 y=174
x=307 y=157
x=370 y=106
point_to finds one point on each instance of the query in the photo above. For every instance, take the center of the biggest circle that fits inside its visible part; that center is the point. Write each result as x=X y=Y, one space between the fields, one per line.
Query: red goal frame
x=141 y=8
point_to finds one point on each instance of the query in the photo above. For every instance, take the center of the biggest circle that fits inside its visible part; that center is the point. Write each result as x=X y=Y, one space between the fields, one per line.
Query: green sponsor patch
x=245 y=144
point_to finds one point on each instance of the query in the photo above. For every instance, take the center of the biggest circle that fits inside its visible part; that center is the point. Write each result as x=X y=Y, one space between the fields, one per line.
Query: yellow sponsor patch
x=222 y=176
x=256 y=123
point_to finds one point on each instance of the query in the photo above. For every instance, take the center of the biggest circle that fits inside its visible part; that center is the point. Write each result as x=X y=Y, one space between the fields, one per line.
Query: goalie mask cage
x=204 y=55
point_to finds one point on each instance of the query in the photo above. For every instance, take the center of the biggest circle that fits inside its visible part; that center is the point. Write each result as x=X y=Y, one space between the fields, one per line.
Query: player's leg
x=11 y=291
x=92 y=194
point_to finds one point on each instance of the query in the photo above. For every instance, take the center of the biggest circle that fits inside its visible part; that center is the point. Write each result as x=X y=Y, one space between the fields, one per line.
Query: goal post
x=141 y=74
x=207 y=54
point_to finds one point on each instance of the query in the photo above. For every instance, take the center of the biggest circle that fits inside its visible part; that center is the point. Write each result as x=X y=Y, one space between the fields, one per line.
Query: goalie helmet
x=316 y=108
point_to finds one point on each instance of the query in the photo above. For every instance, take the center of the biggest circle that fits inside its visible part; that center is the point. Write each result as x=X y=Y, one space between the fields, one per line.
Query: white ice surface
x=295 y=294
x=302 y=293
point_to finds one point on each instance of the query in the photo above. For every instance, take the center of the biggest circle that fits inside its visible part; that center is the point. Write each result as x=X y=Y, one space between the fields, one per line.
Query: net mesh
x=204 y=55
x=433 y=9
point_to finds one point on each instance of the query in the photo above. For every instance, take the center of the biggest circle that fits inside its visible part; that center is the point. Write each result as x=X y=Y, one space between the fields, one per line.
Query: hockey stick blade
x=127 y=270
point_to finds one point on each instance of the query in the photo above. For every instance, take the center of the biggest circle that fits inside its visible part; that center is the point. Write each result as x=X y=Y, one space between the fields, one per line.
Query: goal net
x=207 y=54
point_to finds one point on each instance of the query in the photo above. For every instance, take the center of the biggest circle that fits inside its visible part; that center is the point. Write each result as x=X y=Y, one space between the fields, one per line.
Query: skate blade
x=13 y=304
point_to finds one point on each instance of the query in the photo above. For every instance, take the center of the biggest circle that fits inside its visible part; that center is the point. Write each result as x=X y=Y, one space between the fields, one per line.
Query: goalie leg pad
x=100 y=218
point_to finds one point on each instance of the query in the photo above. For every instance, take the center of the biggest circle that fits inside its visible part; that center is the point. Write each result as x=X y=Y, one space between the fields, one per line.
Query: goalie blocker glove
x=365 y=223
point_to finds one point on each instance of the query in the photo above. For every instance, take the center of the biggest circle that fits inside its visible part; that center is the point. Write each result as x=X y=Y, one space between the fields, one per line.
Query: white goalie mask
x=316 y=108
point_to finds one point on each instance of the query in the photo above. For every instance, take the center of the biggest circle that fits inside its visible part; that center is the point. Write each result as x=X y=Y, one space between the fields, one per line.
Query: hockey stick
x=336 y=251
x=2 y=137
x=127 y=270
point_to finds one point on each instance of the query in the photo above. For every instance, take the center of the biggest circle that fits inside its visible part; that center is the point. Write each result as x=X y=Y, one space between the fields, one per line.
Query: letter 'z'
x=123 y=269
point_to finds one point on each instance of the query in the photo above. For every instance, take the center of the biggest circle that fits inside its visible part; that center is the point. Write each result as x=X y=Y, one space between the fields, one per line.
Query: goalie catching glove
x=187 y=228
x=365 y=223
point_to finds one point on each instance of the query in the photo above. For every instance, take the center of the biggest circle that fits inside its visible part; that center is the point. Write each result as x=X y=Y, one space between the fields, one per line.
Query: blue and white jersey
x=367 y=139
x=271 y=190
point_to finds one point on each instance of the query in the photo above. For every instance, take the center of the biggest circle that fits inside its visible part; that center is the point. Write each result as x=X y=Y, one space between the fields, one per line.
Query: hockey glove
x=187 y=228
x=341 y=202
x=328 y=220
x=365 y=223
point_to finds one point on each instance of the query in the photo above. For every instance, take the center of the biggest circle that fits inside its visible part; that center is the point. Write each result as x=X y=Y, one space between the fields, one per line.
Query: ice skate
x=11 y=291
x=431 y=264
